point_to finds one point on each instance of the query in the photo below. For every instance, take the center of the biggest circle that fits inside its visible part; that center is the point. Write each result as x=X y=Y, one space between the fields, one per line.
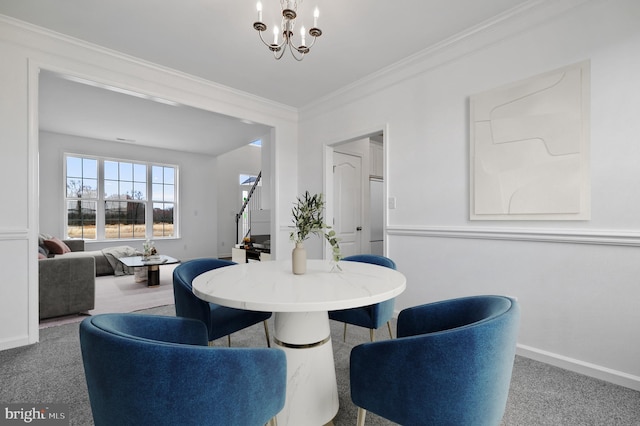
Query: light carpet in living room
x=123 y=294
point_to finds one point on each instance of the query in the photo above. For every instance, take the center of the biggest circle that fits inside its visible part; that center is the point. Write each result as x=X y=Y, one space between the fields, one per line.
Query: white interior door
x=347 y=192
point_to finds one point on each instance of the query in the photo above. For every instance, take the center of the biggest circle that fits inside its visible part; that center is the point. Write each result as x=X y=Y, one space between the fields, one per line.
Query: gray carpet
x=52 y=372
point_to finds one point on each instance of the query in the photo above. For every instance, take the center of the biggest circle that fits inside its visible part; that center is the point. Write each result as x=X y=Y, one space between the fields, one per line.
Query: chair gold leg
x=229 y=339
x=344 y=333
x=266 y=332
x=389 y=327
x=372 y=334
x=210 y=342
x=273 y=421
x=361 y=415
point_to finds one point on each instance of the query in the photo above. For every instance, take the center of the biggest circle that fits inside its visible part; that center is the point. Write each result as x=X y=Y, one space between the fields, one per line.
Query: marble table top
x=271 y=286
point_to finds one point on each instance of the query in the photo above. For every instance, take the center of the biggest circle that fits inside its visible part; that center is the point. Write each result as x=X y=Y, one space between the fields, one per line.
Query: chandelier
x=289 y=14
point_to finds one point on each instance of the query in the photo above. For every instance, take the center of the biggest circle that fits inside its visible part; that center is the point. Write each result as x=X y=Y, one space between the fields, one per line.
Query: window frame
x=80 y=199
x=101 y=200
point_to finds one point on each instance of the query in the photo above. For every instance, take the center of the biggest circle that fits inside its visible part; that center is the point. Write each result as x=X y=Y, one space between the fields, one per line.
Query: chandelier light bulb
x=275 y=34
x=259 y=8
x=316 y=13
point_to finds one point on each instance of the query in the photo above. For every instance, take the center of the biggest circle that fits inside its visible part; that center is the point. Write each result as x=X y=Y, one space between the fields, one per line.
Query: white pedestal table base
x=312 y=389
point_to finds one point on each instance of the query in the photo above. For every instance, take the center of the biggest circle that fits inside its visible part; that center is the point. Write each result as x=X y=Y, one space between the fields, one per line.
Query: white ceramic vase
x=299 y=259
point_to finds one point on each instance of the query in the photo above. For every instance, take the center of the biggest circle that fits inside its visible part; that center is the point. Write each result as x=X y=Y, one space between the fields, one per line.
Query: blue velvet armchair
x=158 y=370
x=220 y=320
x=372 y=316
x=450 y=364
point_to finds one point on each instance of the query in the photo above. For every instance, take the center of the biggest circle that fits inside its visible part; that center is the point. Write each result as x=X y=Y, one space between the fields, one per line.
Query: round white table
x=301 y=304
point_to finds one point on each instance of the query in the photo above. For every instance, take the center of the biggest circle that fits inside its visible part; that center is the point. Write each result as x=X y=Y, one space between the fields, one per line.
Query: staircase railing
x=244 y=207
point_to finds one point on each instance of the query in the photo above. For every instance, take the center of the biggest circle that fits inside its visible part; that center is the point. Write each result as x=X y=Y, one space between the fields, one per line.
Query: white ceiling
x=215 y=40
x=69 y=107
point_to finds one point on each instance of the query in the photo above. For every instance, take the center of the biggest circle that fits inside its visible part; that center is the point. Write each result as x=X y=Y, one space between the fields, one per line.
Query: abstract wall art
x=529 y=148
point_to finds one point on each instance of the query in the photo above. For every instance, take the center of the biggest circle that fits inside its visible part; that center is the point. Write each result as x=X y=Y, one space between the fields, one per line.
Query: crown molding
x=580 y=236
x=38 y=38
x=501 y=26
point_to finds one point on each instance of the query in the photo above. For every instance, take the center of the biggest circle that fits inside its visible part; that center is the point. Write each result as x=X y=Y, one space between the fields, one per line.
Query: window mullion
x=100 y=221
x=149 y=204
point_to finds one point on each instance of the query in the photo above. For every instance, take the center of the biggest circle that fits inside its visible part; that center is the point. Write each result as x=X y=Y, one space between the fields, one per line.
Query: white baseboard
x=14 y=342
x=581 y=367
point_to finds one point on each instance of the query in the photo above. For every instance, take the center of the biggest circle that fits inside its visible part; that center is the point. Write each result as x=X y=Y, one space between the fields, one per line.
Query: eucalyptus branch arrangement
x=307 y=218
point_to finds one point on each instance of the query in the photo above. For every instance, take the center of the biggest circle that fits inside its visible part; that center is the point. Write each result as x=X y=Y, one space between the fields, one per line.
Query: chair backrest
x=383 y=311
x=145 y=369
x=187 y=304
x=373 y=259
x=187 y=271
x=452 y=362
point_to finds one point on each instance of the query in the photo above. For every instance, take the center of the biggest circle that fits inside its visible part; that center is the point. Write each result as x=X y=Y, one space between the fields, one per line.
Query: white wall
x=18 y=231
x=25 y=49
x=578 y=282
x=197 y=202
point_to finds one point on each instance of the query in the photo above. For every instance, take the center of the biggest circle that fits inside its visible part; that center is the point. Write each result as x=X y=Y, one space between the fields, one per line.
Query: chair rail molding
x=572 y=236
x=13 y=234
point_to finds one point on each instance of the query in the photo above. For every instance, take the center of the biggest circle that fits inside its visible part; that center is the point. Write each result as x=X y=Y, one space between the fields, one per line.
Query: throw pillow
x=41 y=256
x=41 y=238
x=56 y=246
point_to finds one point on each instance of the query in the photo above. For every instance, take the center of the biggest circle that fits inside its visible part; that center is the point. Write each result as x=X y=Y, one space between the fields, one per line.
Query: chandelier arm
x=312 y=43
x=261 y=38
x=293 y=51
x=279 y=53
x=274 y=48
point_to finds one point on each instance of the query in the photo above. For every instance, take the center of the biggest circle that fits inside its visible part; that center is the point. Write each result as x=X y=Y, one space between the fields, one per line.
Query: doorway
x=348 y=197
x=356 y=199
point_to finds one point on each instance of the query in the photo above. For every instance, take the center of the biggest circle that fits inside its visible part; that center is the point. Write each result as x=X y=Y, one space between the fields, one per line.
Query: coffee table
x=152 y=264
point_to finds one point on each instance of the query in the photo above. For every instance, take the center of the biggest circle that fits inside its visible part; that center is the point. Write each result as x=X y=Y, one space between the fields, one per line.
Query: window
x=125 y=193
x=82 y=197
x=163 y=194
x=109 y=199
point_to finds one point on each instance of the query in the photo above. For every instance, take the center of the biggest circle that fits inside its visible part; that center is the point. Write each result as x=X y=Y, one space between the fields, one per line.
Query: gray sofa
x=103 y=267
x=67 y=286
x=67 y=282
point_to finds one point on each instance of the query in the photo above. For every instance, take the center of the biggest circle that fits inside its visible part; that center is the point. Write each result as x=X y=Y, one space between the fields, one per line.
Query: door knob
x=359 y=228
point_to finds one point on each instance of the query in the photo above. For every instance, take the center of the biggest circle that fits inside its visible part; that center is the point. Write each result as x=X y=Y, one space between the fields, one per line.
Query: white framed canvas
x=529 y=148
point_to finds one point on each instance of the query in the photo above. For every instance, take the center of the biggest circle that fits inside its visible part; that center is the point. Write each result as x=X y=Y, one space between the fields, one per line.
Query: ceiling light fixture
x=289 y=14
